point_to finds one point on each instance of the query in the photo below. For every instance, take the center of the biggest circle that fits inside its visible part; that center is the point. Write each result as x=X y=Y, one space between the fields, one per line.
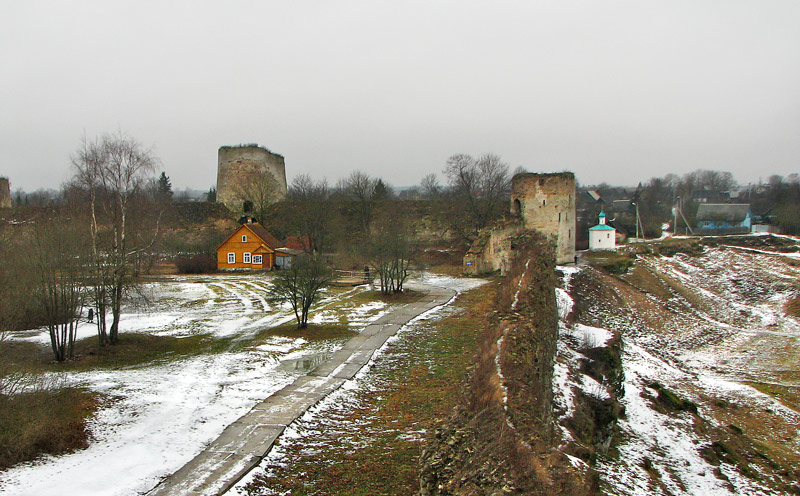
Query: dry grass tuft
x=44 y=422
x=792 y=307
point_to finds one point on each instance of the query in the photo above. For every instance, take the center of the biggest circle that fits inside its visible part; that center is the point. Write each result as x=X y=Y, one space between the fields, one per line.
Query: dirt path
x=243 y=444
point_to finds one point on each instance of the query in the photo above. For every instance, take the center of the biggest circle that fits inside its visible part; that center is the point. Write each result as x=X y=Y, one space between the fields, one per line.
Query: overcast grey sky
x=617 y=91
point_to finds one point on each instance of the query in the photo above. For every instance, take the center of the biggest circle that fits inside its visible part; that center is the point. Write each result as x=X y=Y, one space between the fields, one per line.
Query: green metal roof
x=602 y=227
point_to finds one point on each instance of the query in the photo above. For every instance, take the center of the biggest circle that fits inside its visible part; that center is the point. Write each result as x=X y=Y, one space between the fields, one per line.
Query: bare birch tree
x=111 y=170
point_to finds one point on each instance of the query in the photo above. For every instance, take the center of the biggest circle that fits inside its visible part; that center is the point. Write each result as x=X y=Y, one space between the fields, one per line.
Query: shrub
x=671 y=401
x=196 y=264
x=618 y=266
x=672 y=247
x=43 y=422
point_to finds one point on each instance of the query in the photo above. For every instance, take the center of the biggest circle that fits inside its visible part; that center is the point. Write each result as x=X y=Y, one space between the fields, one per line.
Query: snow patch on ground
x=459 y=284
x=160 y=415
x=356 y=317
x=159 y=418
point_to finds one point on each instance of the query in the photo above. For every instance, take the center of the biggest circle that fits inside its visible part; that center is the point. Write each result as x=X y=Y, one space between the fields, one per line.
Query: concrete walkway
x=243 y=444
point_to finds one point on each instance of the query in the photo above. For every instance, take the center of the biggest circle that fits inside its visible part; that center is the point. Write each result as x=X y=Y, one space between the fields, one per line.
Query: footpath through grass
x=52 y=419
x=368 y=440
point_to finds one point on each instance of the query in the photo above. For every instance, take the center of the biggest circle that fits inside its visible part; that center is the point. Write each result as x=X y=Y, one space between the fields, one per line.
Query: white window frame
x=258 y=259
x=246 y=257
x=231 y=257
x=244 y=238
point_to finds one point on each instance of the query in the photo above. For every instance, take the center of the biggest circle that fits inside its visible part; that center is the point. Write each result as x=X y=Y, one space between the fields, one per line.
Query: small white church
x=602 y=236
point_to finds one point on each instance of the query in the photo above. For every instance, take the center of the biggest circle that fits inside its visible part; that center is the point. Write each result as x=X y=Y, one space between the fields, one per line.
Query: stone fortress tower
x=240 y=170
x=546 y=202
x=5 y=193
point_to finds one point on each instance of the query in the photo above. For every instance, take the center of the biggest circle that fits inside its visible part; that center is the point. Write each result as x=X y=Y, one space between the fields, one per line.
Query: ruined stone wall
x=502 y=439
x=5 y=193
x=239 y=168
x=546 y=202
x=493 y=249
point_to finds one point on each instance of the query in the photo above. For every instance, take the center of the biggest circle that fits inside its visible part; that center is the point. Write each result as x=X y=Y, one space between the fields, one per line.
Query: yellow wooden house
x=250 y=247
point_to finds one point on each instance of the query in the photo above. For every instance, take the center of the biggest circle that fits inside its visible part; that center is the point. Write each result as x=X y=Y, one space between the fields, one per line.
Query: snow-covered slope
x=699 y=336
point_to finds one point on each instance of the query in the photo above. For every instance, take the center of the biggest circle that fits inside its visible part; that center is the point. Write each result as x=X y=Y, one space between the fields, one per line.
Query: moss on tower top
x=250 y=145
x=543 y=175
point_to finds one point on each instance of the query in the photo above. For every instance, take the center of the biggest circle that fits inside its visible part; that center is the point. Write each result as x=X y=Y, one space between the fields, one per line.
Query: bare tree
x=259 y=195
x=310 y=203
x=360 y=191
x=12 y=379
x=479 y=188
x=111 y=170
x=391 y=252
x=430 y=186
x=300 y=285
x=56 y=255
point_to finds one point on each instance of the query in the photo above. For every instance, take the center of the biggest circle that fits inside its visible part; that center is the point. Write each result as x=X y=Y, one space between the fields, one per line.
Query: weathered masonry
x=5 y=193
x=546 y=202
x=541 y=202
x=245 y=171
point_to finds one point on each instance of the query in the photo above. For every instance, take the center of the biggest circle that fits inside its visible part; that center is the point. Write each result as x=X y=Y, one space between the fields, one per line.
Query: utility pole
x=675 y=223
x=636 y=204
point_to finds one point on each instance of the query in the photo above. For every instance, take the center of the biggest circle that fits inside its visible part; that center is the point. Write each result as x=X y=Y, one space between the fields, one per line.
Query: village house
x=723 y=218
x=252 y=247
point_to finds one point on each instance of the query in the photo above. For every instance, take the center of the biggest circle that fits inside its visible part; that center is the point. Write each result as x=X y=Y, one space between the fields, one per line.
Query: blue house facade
x=724 y=218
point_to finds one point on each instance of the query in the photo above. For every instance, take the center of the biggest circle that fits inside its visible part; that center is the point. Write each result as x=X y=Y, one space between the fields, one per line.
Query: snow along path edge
x=244 y=443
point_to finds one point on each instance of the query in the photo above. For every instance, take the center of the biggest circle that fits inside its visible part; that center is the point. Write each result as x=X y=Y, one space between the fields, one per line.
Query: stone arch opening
x=516 y=207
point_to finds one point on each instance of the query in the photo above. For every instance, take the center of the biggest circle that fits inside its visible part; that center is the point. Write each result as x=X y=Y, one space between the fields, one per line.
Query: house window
x=231 y=258
x=244 y=238
x=257 y=259
x=246 y=257
x=706 y=223
x=608 y=236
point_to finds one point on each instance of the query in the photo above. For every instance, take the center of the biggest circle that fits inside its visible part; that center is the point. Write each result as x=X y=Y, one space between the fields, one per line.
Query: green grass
x=788 y=395
x=140 y=348
x=314 y=332
x=611 y=261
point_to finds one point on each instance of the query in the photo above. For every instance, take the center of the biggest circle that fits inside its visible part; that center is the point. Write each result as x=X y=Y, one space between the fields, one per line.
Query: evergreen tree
x=380 y=191
x=164 y=187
